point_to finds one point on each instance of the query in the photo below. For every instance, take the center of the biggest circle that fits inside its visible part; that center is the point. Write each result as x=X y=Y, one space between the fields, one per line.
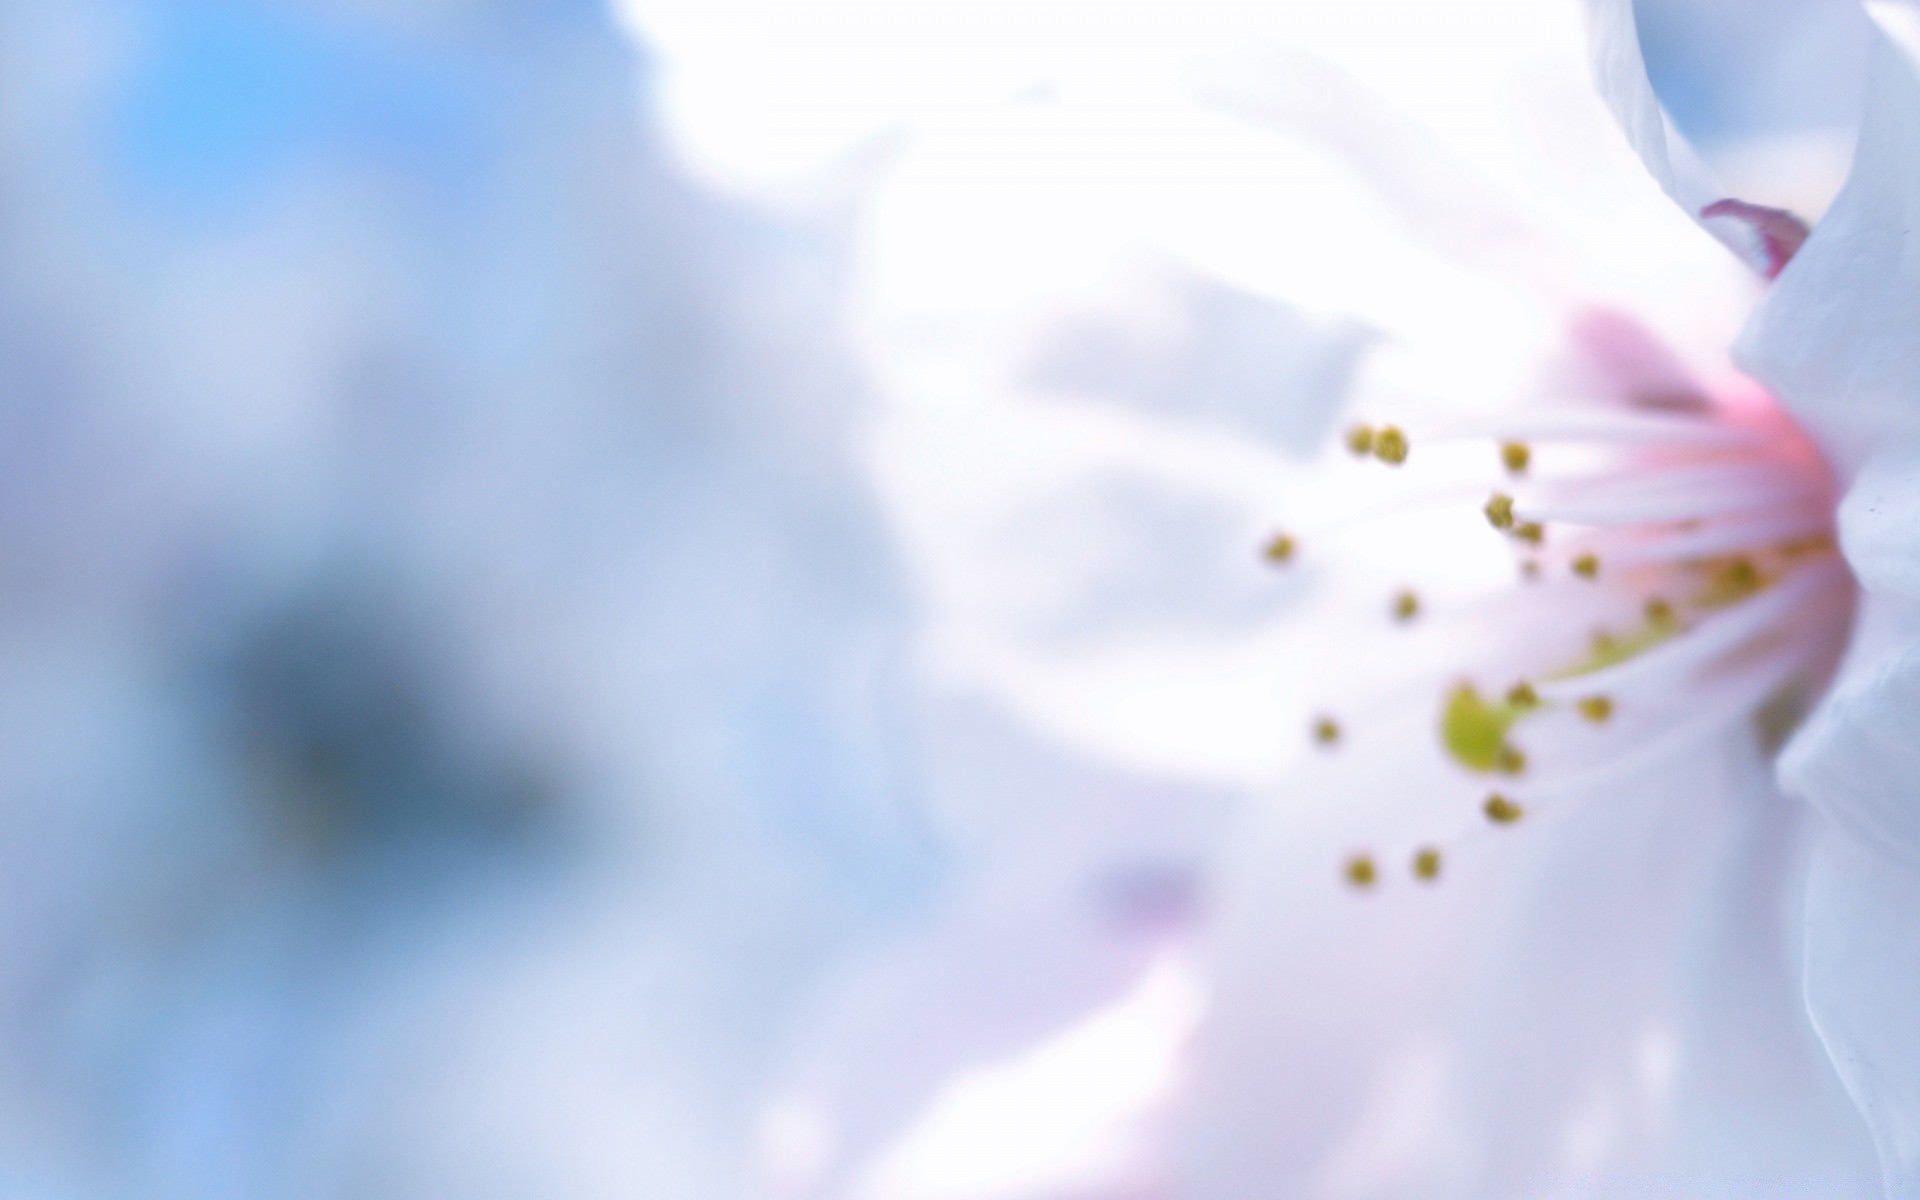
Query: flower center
x=1680 y=572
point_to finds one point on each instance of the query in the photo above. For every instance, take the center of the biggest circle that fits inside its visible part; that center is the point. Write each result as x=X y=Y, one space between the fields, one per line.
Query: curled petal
x=1620 y=72
x=1777 y=233
x=1834 y=339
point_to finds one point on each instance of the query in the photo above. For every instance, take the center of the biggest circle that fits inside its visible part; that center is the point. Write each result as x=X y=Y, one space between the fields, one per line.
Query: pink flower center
x=1677 y=558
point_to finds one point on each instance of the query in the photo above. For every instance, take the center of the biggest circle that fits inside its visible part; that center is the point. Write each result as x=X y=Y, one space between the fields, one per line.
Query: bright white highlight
x=1067 y=1113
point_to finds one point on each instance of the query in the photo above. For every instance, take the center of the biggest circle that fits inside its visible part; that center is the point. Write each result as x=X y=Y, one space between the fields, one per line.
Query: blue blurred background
x=443 y=648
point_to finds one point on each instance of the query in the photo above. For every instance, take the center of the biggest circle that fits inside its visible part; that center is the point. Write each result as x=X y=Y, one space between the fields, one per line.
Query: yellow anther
x=1474 y=732
x=1800 y=547
x=1501 y=811
x=1426 y=863
x=1406 y=605
x=1390 y=445
x=1499 y=511
x=1326 y=731
x=1360 y=871
x=1530 y=532
x=1607 y=649
x=1595 y=708
x=1587 y=566
x=1522 y=695
x=1516 y=456
x=1730 y=581
x=1530 y=570
x=1280 y=548
x=1360 y=440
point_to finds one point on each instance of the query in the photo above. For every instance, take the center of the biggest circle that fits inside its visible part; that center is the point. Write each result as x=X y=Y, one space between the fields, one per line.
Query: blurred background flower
x=449 y=653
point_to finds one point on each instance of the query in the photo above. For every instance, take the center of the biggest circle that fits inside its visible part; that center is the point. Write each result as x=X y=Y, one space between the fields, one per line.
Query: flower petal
x=1620 y=72
x=1533 y=1023
x=1880 y=525
x=1075 y=879
x=1834 y=338
x=1768 y=91
x=1863 y=942
x=1729 y=69
x=1497 y=159
x=1856 y=758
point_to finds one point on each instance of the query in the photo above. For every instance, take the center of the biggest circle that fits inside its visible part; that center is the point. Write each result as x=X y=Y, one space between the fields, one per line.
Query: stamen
x=1802 y=546
x=1280 y=548
x=1606 y=649
x=1360 y=871
x=1791 y=532
x=1474 y=732
x=1713 y=522
x=1502 y=811
x=1390 y=445
x=1615 y=428
x=1499 y=511
x=1723 y=493
x=1674 y=653
x=1729 y=583
x=1716 y=704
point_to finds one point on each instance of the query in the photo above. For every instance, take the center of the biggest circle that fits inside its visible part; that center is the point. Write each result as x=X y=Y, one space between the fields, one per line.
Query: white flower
x=1572 y=965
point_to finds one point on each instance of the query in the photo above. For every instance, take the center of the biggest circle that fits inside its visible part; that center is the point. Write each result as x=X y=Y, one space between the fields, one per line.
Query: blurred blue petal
x=451 y=662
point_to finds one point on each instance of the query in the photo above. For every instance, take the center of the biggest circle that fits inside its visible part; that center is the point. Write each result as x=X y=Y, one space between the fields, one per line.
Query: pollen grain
x=1501 y=811
x=1390 y=445
x=1360 y=871
x=1499 y=511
